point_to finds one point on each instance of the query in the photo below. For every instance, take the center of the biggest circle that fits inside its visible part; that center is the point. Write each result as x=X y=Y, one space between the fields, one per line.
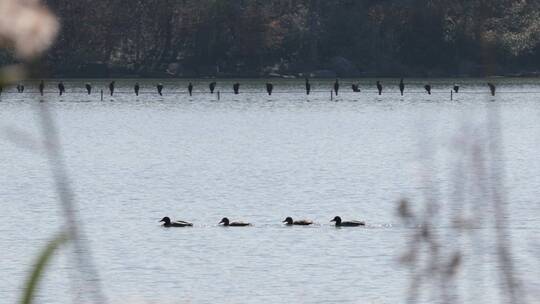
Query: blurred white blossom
x=26 y=26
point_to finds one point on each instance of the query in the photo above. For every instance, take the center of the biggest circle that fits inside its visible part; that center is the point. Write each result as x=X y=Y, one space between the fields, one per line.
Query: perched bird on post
x=308 y=86
x=190 y=89
x=269 y=88
x=236 y=88
x=136 y=88
x=355 y=88
x=456 y=88
x=41 y=87
x=88 y=88
x=159 y=89
x=111 y=87
x=401 y=86
x=492 y=88
x=428 y=88
x=212 y=87
x=61 y=88
x=336 y=87
x=379 y=87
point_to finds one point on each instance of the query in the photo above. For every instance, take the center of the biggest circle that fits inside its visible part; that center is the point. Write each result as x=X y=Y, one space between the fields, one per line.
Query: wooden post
x=331 y=95
x=218 y=95
x=451 y=95
x=101 y=94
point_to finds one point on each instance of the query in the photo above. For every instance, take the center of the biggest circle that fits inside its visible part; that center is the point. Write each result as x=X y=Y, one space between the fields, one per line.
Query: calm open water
x=133 y=160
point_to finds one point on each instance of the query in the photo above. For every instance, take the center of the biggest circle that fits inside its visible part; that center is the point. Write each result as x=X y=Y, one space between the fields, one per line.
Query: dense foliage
x=259 y=37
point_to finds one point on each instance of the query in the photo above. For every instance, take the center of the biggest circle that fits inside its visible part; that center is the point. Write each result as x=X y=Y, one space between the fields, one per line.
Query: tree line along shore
x=292 y=38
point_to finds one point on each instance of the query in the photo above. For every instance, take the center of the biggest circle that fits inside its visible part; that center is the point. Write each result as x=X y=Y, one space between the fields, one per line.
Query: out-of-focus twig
x=478 y=178
x=498 y=200
x=39 y=268
x=74 y=228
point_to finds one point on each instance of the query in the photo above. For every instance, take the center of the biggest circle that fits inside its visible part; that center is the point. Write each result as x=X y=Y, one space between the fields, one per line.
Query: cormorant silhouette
x=159 y=89
x=136 y=88
x=236 y=88
x=190 y=89
x=111 y=87
x=401 y=86
x=336 y=87
x=308 y=86
x=456 y=88
x=88 y=88
x=492 y=88
x=61 y=88
x=355 y=88
x=269 y=88
x=428 y=88
x=41 y=87
x=212 y=87
x=379 y=87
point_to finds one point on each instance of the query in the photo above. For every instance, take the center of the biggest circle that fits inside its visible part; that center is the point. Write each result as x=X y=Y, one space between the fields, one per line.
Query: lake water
x=258 y=158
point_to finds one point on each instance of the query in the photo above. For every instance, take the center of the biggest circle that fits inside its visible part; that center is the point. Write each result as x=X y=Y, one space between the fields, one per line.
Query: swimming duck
x=340 y=223
x=167 y=223
x=290 y=222
x=226 y=223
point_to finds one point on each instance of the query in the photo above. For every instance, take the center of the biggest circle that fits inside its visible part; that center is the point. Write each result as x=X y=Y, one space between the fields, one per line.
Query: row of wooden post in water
x=236 y=88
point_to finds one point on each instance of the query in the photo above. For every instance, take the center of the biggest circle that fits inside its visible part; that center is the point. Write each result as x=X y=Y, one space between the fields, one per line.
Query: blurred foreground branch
x=476 y=211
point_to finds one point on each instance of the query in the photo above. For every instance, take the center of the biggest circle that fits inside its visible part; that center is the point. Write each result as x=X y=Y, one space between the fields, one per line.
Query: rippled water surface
x=258 y=158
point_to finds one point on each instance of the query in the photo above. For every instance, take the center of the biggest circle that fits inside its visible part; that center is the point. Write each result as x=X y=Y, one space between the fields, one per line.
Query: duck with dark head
x=290 y=222
x=167 y=223
x=340 y=223
x=226 y=223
